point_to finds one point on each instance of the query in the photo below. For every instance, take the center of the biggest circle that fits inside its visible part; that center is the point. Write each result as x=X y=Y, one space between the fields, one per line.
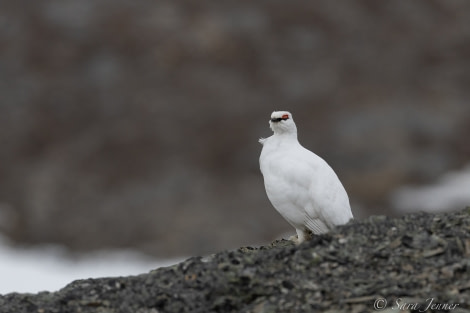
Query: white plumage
x=301 y=186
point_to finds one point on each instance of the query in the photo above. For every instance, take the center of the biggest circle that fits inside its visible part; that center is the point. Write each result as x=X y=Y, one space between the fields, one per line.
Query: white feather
x=301 y=186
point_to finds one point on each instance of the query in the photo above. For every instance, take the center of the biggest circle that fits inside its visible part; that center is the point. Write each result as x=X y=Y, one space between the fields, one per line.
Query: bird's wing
x=298 y=175
x=316 y=225
x=328 y=201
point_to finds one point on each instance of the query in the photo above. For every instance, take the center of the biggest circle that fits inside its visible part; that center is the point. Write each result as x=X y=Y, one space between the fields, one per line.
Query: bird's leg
x=295 y=239
x=302 y=235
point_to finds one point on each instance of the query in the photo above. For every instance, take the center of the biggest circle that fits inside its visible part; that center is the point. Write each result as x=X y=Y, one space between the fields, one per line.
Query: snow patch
x=49 y=268
x=451 y=192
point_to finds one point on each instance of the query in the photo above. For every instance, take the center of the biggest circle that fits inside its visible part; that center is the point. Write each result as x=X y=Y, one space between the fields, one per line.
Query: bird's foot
x=295 y=239
x=302 y=235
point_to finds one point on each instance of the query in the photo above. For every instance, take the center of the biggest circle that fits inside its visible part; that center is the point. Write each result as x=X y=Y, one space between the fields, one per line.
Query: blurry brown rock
x=136 y=124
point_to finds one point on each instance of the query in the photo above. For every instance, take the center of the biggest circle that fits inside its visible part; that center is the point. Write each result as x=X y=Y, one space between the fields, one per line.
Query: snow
x=451 y=192
x=49 y=268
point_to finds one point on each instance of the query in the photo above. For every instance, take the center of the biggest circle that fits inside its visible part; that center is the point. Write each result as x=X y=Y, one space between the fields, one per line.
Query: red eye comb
x=286 y=116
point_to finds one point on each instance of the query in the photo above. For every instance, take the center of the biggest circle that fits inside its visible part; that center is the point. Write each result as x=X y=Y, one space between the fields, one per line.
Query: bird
x=300 y=185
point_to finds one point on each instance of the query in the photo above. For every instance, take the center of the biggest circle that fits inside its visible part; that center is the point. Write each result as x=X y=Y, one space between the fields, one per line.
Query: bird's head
x=281 y=122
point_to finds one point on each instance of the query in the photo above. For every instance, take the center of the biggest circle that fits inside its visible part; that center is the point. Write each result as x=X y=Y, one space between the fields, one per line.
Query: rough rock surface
x=405 y=261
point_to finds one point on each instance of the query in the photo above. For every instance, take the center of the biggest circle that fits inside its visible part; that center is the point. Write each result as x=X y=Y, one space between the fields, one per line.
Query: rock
x=414 y=261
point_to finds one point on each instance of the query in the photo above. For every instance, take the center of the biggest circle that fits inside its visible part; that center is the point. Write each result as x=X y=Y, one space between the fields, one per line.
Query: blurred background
x=136 y=124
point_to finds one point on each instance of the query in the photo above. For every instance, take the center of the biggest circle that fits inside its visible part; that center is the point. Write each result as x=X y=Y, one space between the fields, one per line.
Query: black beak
x=278 y=119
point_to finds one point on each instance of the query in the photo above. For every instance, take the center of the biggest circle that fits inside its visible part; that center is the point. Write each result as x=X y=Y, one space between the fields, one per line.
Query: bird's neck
x=287 y=136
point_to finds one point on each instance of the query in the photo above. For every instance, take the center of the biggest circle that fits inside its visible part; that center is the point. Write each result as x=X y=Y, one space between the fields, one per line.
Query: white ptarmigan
x=301 y=186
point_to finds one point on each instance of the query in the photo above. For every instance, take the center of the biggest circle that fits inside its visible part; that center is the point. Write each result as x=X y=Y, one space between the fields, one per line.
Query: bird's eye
x=278 y=119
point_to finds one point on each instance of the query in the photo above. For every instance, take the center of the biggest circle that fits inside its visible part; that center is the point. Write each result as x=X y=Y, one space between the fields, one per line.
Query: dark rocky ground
x=409 y=260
